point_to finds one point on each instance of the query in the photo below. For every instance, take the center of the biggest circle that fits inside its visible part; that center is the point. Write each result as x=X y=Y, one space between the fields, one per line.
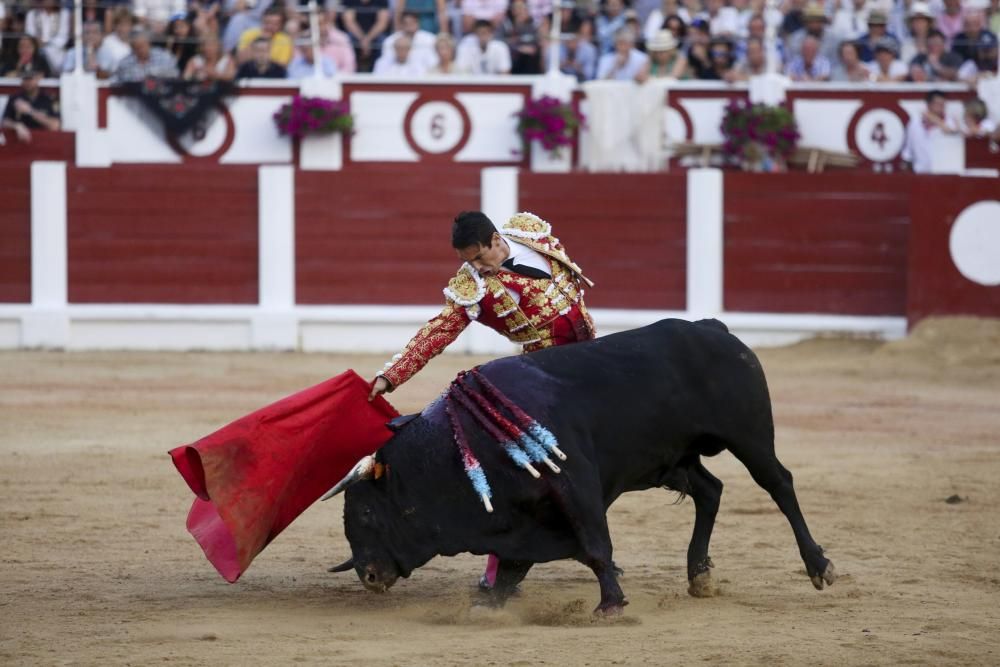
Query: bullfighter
x=518 y=281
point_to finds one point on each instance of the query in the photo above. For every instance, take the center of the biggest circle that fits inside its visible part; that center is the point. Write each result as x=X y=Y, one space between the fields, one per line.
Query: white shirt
x=421 y=47
x=387 y=65
x=919 y=143
x=522 y=254
x=494 y=60
x=113 y=50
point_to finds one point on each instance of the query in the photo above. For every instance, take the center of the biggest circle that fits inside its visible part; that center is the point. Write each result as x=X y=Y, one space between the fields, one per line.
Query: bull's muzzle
x=377 y=580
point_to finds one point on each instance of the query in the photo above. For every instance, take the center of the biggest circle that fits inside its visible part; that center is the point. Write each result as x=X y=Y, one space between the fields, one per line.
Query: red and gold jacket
x=550 y=310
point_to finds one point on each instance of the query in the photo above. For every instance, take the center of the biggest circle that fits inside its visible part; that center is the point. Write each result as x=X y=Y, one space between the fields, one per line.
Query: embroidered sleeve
x=429 y=342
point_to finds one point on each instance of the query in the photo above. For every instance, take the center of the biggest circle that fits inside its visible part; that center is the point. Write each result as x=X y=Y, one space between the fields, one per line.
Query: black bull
x=632 y=411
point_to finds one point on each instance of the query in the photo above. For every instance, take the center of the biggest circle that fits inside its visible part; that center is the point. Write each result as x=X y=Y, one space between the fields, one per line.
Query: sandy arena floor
x=97 y=567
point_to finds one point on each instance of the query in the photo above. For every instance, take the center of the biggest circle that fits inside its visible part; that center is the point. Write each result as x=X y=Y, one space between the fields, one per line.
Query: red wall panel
x=936 y=287
x=626 y=231
x=15 y=233
x=816 y=243
x=378 y=235
x=162 y=234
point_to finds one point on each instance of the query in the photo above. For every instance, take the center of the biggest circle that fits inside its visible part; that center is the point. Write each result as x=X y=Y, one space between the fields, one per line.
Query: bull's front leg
x=612 y=597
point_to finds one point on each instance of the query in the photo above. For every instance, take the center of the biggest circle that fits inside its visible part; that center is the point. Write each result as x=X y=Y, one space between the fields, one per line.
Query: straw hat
x=664 y=40
x=920 y=9
x=813 y=12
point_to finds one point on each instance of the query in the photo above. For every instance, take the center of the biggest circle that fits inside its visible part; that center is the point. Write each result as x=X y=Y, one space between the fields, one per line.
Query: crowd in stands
x=835 y=40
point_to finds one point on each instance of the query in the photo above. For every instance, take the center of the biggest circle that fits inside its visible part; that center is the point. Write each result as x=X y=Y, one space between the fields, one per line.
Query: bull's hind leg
x=768 y=472
x=706 y=491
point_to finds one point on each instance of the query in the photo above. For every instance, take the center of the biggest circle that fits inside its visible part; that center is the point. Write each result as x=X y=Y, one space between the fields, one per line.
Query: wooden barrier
x=162 y=234
x=831 y=243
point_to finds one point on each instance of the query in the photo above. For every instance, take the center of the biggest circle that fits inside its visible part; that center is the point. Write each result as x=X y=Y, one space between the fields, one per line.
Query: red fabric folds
x=253 y=477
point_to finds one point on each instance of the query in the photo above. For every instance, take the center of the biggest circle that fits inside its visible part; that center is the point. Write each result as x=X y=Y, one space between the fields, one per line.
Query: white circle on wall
x=975 y=243
x=879 y=135
x=215 y=136
x=437 y=127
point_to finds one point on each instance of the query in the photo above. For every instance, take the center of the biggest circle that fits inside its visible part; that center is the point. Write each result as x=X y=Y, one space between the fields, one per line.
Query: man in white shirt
x=922 y=131
x=421 y=42
x=400 y=61
x=851 y=22
x=474 y=11
x=115 y=46
x=723 y=21
x=625 y=63
x=479 y=53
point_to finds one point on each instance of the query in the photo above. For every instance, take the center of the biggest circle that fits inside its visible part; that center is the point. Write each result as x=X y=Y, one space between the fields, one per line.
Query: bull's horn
x=363 y=469
x=343 y=567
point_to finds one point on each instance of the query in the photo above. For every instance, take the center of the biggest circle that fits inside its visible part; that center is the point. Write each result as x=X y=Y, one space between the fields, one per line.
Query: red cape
x=256 y=475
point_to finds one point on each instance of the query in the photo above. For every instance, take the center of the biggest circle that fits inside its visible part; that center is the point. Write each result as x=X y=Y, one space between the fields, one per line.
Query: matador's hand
x=380 y=386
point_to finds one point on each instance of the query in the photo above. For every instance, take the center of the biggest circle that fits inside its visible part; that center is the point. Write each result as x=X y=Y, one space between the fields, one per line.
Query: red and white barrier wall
x=205 y=257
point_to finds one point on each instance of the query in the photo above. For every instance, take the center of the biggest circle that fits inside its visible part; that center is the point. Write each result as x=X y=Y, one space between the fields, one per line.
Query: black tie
x=528 y=271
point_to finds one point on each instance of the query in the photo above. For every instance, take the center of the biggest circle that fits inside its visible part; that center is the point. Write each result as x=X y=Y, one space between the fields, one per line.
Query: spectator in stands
x=917 y=72
x=676 y=25
x=366 y=21
x=475 y=11
x=210 y=63
x=757 y=29
x=793 y=20
x=698 y=56
x=922 y=130
x=303 y=64
x=877 y=30
x=444 y=47
x=994 y=14
x=723 y=21
x=260 y=65
x=974 y=38
x=155 y=14
x=270 y=29
x=850 y=68
x=145 y=61
x=431 y=15
x=814 y=20
x=180 y=42
x=115 y=46
x=240 y=17
x=30 y=109
x=920 y=22
x=625 y=63
x=887 y=68
x=850 y=22
x=657 y=19
x=97 y=12
x=522 y=39
x=421 y=42
x=336 y=44
x=27 y=54
x=400 y=61
x=937 y=47
x=720 y=52
x=577 y=56
x=204 y=16
x=92 y=35
x=949 y=19
x=666 y=59
x=974 y=119
x=50 y=25
x=480 y=53
x=608 y=24
x=809 y=64
x=754 y=62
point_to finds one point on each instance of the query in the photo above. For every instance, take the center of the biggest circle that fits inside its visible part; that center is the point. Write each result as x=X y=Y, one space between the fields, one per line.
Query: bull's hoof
x=829 y=576
x=703 y=586
x=610 y=610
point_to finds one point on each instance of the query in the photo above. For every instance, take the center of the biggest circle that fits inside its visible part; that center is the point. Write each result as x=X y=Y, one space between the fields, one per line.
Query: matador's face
x=486 y=259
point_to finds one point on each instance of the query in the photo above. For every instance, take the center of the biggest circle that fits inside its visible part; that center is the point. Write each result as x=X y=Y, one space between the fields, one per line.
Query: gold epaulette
x=467 y=288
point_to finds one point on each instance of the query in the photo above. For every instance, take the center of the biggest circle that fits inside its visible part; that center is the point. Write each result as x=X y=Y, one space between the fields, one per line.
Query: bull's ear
x=346 y=566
